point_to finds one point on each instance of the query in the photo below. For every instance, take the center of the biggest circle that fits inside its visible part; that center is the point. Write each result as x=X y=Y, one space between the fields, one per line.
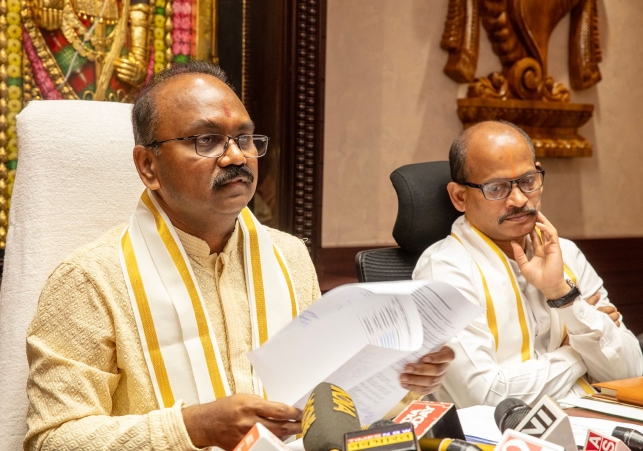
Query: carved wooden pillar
x=306 y=116
x=285 y=65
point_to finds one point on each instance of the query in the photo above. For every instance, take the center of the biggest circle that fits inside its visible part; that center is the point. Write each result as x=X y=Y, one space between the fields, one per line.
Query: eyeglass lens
x=527 y=184
x=213 y=145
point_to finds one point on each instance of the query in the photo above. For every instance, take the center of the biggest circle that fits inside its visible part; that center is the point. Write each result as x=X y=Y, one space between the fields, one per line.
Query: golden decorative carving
x=551 y=125
x=97 y=30
x=4 y=114
x=519 y=31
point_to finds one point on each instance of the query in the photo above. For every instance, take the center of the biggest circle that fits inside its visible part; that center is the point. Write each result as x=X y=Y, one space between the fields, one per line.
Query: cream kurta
x=87 y=369
x=479 y=375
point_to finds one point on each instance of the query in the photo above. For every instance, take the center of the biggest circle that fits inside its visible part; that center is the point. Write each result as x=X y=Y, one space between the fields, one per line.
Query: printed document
x=359 y=337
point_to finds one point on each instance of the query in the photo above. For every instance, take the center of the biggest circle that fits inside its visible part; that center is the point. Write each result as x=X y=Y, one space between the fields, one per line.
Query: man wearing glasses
x=140 y=339
x=549 y=328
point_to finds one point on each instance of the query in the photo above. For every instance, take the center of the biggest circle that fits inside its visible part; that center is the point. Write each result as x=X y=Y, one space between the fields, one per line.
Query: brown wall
x=388 y=103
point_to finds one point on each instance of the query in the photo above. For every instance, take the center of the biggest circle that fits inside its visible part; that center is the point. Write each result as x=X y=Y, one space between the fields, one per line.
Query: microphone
x=432 y=419
x=546 y=421
x=259 y=438
x=631 y=437
x=328 y=414
x=509 y=413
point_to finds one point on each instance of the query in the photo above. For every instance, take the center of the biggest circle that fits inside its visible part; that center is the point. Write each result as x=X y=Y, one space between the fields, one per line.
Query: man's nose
x=232 y=155
x=516 y=196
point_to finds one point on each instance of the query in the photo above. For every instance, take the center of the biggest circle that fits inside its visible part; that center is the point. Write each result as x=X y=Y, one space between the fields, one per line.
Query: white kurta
x=482 y=374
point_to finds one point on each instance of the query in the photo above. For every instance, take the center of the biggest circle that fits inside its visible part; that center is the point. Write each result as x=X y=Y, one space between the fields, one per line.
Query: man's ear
x=145 y=162
x=458 y=195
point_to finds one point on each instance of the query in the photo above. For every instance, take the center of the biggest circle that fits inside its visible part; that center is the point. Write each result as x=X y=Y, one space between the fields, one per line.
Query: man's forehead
x=189 y=88
x=199 y=98
x=497 y=150
x=497 y=141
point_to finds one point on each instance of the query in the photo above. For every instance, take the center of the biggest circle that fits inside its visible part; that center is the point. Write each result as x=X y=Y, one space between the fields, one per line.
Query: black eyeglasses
x=212 y=145
x=528 y=183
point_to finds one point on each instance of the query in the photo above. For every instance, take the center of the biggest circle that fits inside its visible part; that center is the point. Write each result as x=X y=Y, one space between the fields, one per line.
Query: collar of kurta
x=176 y=335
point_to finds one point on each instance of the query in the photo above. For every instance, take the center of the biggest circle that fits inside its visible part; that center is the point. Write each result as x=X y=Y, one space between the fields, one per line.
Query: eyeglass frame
x=512 y=182
x=225 y=146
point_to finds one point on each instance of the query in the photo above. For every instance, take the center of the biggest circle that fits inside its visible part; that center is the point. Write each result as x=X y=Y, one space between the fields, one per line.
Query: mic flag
x=517 y=441
x=259 y=438
x=432 y=419
x=598 y=442
x=328 y=414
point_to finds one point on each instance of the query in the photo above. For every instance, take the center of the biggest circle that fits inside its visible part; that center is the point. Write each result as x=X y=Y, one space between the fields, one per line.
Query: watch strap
x=569 y=297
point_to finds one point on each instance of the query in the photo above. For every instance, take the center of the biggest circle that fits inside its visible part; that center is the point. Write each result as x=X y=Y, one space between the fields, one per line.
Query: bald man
x=549 y=328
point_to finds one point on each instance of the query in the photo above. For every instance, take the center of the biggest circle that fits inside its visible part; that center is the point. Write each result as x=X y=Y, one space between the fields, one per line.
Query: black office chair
x=424 y=216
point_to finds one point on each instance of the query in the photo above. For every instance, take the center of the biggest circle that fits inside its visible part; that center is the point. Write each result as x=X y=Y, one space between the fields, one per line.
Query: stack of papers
x=607 y=407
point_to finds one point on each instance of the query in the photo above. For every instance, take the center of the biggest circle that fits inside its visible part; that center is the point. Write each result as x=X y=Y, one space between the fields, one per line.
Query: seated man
x=549 y=328
x=140 y=339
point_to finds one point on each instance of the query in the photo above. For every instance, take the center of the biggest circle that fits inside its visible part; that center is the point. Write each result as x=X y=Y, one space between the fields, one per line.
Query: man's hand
x=425 y=376
x=609 y=310
x=545 y=269
x=226 y=421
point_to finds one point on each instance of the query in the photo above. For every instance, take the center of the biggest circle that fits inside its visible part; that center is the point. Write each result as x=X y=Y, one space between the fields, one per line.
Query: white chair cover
x=75 y=180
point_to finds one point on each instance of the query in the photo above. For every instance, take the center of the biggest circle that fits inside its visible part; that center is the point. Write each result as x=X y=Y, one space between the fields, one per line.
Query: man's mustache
x=517 y=211
x=231 y=173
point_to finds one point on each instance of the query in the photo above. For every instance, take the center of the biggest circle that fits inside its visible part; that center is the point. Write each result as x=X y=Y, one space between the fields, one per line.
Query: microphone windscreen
x=509 y=413
x=631 y=437
x=328 y=415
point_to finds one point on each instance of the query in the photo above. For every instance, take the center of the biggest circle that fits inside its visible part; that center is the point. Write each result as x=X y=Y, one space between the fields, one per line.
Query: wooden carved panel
x=308 y=119
x=522 y=92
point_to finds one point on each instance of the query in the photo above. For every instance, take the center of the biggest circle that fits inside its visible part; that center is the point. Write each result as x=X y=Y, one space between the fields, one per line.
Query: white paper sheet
x=359 y=337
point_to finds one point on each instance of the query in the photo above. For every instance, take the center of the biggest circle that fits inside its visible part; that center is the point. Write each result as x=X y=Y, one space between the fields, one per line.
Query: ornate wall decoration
x=522 y=92
x=91 y=50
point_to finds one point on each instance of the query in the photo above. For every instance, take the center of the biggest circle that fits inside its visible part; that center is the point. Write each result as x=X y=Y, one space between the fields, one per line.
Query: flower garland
x=41 y=77
x=159 y=36
x=182 y=31
x=162 y=29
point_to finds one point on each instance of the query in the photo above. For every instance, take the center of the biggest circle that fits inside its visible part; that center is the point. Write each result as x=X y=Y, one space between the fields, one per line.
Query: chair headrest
x=425 y=212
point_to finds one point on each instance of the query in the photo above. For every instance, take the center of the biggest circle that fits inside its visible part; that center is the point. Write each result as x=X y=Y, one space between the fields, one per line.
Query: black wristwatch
x=569 y=297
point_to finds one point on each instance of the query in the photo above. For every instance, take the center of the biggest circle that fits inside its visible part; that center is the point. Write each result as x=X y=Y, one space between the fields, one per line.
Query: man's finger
x=282 y=428
x=606 y=309
x=519 y=254
x=421 y=389
x=593 y=299
x=426 y=369
x=547 y=228
x=278 y=411
x=445 y=354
